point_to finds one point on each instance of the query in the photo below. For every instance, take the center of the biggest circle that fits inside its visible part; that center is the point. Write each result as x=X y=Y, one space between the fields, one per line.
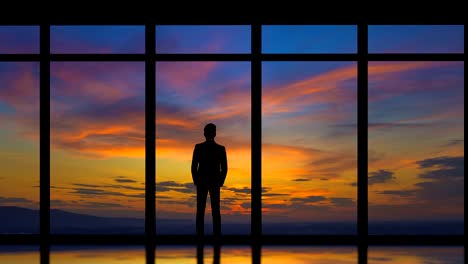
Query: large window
x=334 y=133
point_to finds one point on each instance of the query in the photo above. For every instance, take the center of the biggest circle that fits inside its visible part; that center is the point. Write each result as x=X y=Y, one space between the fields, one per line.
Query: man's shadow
x=216 y=254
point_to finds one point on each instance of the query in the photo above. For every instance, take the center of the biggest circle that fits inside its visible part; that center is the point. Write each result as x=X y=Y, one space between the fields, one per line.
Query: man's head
x=210 y=131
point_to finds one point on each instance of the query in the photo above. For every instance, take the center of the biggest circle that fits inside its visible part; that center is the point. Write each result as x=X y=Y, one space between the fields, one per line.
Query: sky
x=416 y=39
x=98 y=137
x=202 y=39
x=309 y=39
x=19 y=134
x=190 y=95
x=19 y=39
x=236 y=39
x=416 y=123
x=416 y=140
x=308 y=158
x=97 y=39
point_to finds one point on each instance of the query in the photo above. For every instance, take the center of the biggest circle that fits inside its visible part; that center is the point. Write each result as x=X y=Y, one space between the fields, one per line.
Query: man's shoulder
x=209 y=145
x=201 y=145
x=220 y=146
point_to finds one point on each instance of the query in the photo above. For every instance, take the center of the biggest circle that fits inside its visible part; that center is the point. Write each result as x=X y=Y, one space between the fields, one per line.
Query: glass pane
x=19 y=254
x=189 y=95
x=309 y=161
x=97 y=147
x=184 y=254
x=416 y=39
x=19 y=39
x=97 y=254
x=316 y=255
x=97 y=39
x=416 y=255
x=416 y=147
x=203 y=39
x=309 y=39
x=19 y=147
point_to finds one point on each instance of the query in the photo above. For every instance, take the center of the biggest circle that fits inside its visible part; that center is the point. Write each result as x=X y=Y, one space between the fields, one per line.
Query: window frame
x=150 y=239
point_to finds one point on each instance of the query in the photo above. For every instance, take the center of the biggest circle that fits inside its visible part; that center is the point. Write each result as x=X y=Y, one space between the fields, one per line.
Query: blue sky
x=416 y=39
x=309 y=39
x=203 y=39
x=97 y=39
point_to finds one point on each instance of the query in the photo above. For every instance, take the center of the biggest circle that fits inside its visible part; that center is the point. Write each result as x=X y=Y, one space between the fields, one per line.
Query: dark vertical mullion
x=256 y=136
x=44 y=145
x=256 y=253
x=362 y=143
x=150 y=140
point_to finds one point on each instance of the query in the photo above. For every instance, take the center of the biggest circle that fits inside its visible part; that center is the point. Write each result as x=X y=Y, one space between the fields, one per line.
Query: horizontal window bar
x=223 y=19
x=19 y=57
x=19 y=239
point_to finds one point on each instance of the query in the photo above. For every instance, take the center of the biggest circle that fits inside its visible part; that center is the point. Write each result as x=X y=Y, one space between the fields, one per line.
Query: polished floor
x=232 y=255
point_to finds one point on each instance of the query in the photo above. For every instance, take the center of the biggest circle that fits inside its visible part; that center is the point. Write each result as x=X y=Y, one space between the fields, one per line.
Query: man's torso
x=210 y=155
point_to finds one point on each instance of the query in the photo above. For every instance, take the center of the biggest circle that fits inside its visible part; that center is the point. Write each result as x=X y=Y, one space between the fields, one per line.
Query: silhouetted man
x=209 y=170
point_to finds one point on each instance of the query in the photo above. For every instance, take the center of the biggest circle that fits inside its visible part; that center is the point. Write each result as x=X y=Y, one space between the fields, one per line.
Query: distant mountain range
x=22 y=220
x=16 y=220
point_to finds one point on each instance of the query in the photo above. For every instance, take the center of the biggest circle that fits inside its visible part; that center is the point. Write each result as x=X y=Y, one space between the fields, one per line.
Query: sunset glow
x=416 y=141
x=190 y=95
x=309 y=128
x=309 y=144
x=97 y=138
x=234 y=255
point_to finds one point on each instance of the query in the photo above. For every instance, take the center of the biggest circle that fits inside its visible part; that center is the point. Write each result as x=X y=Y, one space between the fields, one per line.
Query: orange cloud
x=183 y=76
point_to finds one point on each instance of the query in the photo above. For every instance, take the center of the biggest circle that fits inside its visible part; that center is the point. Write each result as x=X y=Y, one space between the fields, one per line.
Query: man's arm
x=195 y=159
x=224 y=166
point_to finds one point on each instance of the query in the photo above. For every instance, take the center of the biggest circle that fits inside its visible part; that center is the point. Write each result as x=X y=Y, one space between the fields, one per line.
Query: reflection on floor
x=232 y=255
x=319 y=255
x=97 y=254
x=184 y=254
x=415 y=255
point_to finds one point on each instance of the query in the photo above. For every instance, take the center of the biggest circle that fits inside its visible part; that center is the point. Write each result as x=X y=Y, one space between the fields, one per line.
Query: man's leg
x=215 y=210
x=202 y=192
